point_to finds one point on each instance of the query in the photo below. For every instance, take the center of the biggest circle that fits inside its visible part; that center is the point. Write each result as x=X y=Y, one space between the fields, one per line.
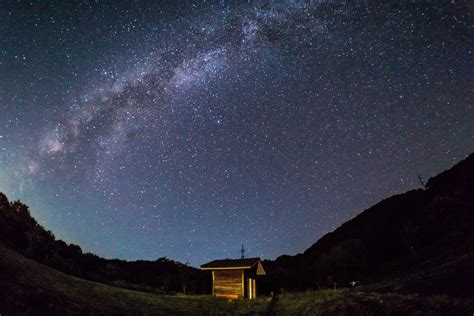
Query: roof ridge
x=232 y=263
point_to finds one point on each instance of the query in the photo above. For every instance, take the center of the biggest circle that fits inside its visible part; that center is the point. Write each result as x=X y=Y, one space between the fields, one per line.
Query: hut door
x=249 y=288
x=252 y=291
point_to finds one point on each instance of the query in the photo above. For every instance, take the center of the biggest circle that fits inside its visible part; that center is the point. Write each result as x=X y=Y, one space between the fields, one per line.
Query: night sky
x=185 y=130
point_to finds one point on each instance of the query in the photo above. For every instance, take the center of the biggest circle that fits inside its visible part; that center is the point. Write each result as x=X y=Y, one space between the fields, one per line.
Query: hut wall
x=228 y=283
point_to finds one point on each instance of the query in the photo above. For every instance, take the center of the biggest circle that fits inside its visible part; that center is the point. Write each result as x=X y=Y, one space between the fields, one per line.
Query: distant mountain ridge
x=432 y=227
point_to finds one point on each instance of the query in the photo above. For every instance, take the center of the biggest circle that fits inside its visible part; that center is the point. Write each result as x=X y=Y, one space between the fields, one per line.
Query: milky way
x=186 y=130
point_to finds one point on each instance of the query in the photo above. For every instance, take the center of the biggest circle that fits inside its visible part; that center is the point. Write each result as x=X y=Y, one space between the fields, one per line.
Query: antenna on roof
x=242 y=252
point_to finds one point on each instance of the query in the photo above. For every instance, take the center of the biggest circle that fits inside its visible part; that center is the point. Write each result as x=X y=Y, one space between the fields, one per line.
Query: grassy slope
x=27 y=287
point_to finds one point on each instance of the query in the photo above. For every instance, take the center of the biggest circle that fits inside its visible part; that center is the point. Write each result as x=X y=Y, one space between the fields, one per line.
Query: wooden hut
x=235 y=278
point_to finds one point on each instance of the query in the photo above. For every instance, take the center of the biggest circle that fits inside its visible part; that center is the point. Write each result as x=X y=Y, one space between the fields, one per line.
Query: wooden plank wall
x=228 y=283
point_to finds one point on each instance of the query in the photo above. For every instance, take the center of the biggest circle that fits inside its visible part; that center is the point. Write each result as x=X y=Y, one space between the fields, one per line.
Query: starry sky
x=185 y=129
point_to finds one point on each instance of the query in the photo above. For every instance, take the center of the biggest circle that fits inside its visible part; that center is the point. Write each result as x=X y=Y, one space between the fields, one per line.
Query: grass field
x=27 y=287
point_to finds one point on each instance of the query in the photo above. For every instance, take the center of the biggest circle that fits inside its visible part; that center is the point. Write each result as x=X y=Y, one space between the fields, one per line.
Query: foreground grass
x=354 y=302
x=28 y=288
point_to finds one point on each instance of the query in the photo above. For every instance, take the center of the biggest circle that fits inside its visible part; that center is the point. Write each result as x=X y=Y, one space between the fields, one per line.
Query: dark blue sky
x=141 y=131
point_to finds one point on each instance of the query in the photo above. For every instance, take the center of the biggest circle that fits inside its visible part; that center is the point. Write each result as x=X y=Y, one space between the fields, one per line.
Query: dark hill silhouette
x=423 y=238
x=22 y=233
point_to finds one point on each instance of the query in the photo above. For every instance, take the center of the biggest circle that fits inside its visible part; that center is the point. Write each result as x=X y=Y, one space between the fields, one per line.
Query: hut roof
x=224 y=264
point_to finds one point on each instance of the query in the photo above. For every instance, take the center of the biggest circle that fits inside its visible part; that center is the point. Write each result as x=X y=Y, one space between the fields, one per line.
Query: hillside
x=419 y=241
x=21 y=232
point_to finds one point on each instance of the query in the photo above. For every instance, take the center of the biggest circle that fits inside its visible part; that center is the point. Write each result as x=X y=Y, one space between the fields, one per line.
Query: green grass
x=29 y=288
